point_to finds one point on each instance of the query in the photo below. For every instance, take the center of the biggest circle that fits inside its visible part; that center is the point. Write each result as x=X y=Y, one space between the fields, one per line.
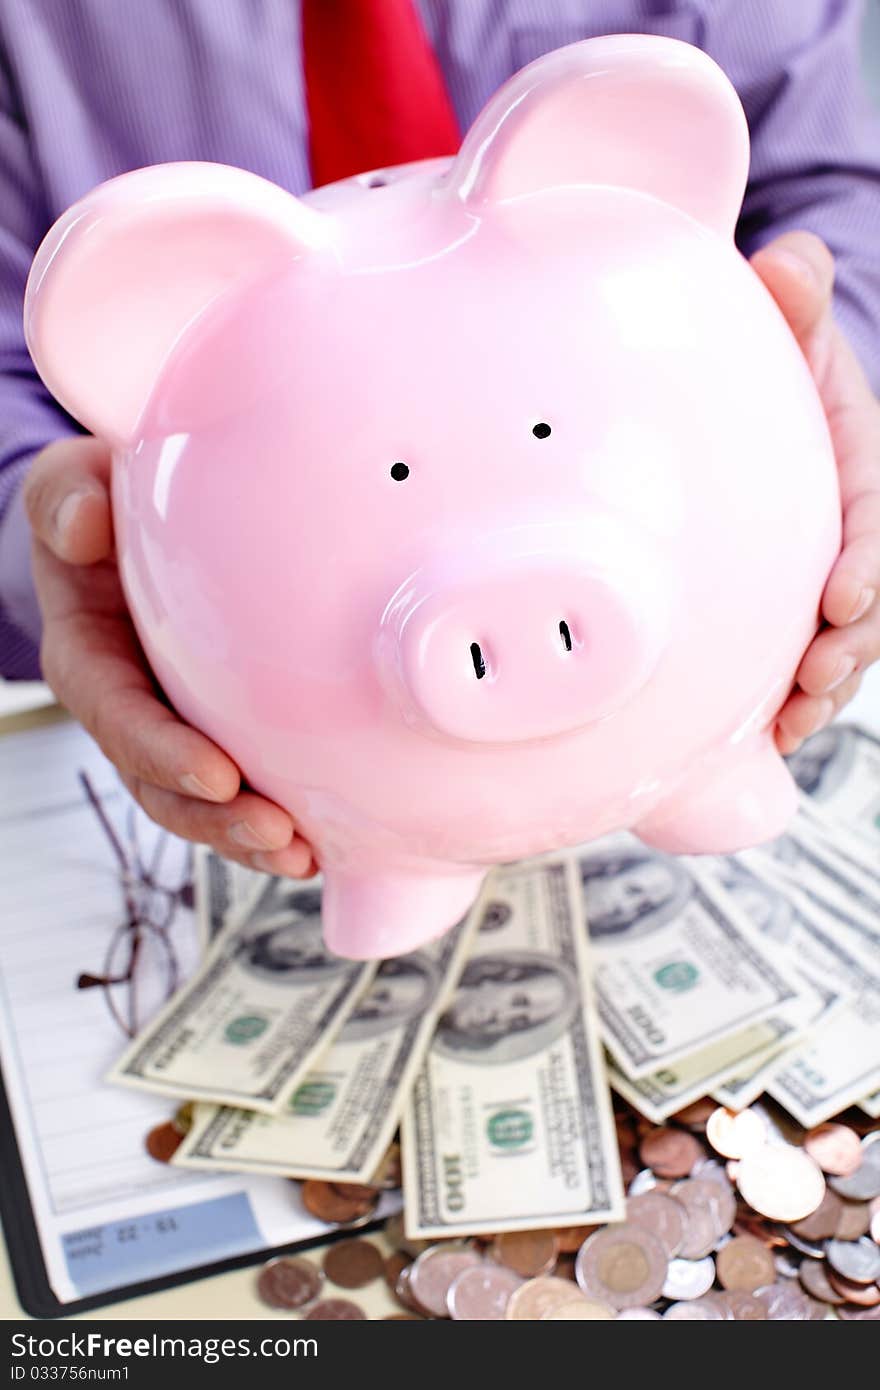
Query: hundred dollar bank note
x=678 y=966
x=224 y=890
x=508 y=1125
x=267 y=1001
x=341 y=1118
x=839 y=768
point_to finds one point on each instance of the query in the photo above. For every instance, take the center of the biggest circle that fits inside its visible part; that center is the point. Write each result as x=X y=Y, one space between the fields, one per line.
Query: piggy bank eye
x=541 y=430
x=399 y=471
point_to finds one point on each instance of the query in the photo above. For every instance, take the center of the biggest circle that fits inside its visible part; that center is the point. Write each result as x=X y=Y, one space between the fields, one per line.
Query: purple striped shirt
x=89 y=89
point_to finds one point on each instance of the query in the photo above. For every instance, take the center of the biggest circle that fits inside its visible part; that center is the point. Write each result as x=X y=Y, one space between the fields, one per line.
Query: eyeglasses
x=141 y=945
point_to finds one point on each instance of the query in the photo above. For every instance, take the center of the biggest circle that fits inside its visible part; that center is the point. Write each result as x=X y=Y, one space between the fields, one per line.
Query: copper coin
x=322 y=1200
x=571 y=1238
x=481 y=1293
x=163 y=1142
x=352 y=1264
x=394 y=1264
x=433 y=1273
x=623 y=1265
x=813 y=1274
x=744 y=1263
x=696 y=1115
x=856 y=1260
x=361 y=1192
x=849 y=1313
x=528 y=1253
x=536 y=1297
x=854 y=1219
x=865 y=1295
x=733 y=1133
x=402 y=1317
x=289 y=1282
x=836 y=1149
x=864 y=1183
x=821 y=1224
x=662 y=1215
x=670 y=1153
x=335 y=1310
x=780 y=1182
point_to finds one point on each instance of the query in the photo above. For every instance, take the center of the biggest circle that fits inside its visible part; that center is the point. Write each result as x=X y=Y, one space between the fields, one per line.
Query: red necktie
x=374 y=88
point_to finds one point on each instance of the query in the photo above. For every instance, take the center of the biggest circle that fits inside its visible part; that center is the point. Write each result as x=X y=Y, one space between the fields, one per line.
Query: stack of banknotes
x=493 y=1049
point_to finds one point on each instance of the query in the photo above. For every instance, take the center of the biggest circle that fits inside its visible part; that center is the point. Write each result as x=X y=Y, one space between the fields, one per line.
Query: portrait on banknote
x=507 y=1007
x=403 y=988
x=630 y=889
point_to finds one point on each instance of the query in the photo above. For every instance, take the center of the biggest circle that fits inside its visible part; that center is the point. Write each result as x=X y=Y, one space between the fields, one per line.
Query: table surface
x=233 y=1295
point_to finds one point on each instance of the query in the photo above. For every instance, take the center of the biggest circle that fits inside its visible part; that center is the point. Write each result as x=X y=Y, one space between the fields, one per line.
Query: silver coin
x=857 y=1260
x=697 y=1310
x=864 y=1183
x=787 y=1267
x=785 y=1302
x=814 y=1248
x=637 y=1315
x=687 y=1279
x=642 y=1182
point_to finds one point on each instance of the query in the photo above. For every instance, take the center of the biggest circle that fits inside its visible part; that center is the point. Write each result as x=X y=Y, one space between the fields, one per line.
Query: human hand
x=798 y=270
x=94 y=663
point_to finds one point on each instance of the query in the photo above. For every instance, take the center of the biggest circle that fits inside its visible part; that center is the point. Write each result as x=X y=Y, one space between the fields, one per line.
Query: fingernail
x=799 y=264
x=844 y=668
x=67 y=510
x=823 y=713
x=244 y=834
x=866 y=598
x=261 y=863
x=194 y=786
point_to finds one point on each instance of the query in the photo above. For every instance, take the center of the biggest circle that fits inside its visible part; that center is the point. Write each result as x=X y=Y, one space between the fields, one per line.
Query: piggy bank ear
x=645 y=113
x=125 y=271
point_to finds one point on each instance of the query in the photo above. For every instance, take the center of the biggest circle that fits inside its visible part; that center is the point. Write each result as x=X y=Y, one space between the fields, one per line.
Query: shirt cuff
x=20 y=621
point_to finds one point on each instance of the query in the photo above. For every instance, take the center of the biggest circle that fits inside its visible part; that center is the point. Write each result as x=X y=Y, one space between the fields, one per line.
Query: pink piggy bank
x=477 y=507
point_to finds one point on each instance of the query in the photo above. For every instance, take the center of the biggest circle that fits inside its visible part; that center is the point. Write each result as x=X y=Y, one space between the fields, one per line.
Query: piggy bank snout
x=524 y=649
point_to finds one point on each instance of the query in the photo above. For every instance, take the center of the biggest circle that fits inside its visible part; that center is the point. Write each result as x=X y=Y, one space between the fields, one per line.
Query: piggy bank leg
x=743 y=798
x=371 y=916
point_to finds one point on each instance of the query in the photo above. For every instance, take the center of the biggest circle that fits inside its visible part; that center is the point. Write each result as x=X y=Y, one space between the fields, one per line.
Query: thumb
x=67 y=499
x=798 y=270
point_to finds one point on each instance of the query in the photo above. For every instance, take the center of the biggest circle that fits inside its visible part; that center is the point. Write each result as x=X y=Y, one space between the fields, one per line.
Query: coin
x=857 y=1260
x=397 y=1237
x=394 y=1264
x=785 y=1303
x=529 y=1253
x=733 y=1133
x=353 y=1263
x=163 y=1141
x=696 y=1115
x=580 y=1309
x=434 y=1271
x=744 y=1263
x=814 y=1250
x=670 y=1153
x=335 y=1310
x=780 y=1182
x=687 y=1279
x=324 y=1201
x=183 y=1117
x=481 y=1293
x=711 y=1212
x=852 y=1314
x=637 y=1315
x=835 y=1148
x=743 y=1306
x=289 y=1282
x=853 y=1220
x=813 y=1274
x=388 y=1173
x=821 y=1223
x=865 y=1295
x=571 y=1238
x=875 y=1225
x=535 y=1297
x=356 y=1191
x=864 y=1183
x=623 y=1265
x=645 y=1181
x=696 y=1310
x=660 y=1214
x=404 y=1294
